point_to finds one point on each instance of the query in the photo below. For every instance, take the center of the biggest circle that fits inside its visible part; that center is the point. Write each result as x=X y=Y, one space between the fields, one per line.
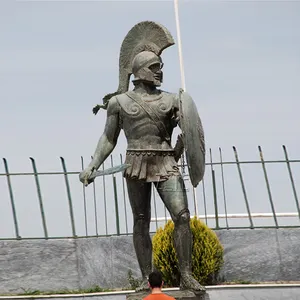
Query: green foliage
x=30 y=292
x=240 y=282
x=207 y=255
x=94 y=289
x=134 y=282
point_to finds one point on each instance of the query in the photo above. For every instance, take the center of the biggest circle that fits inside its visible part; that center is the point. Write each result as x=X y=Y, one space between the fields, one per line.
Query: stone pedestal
x=178 y=295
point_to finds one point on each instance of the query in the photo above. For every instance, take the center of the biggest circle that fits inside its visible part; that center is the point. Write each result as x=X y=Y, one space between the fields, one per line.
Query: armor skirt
x=151 y=166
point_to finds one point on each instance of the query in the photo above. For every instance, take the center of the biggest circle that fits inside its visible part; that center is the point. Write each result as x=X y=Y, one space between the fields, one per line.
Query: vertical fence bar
x=38 y=188
x=292 y=179
x=214 y=190
x=84 y=201
x=12 y=201
x=124 y=197
x=95 y=208
x=243 y=186
x=69 y=196
x=155 y=207
x=204 y=200
x=116 y=199
x=223 y=187
x=268 y=185
x=104 y=196
x=95 y=205
x=195 y=202
x=215 y=199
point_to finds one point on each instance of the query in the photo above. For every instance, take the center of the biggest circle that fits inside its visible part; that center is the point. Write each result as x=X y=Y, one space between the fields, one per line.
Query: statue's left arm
x=179 y=146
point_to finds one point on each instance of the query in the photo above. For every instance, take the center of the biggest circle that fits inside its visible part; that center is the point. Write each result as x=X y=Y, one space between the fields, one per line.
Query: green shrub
x=207 y=255
x=134 y=282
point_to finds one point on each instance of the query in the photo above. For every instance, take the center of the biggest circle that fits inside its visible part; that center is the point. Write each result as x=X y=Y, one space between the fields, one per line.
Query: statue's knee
x=141 y=222
x=183 y=217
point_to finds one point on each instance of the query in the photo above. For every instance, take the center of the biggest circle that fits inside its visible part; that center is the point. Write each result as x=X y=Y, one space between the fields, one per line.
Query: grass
x=95 y=289
x=238 y=282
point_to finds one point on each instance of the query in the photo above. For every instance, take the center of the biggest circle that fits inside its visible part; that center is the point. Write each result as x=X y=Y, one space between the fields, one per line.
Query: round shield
x=193 y=137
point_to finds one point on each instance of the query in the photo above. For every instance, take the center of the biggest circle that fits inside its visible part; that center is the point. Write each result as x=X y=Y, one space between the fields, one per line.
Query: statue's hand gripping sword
x=108 y=171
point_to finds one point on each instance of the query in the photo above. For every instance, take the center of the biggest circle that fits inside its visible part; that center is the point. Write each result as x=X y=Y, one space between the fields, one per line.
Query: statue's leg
x=174 y=196
x=139 y=193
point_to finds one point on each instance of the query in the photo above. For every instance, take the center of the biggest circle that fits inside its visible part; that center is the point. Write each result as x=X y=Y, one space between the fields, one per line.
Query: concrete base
x=257 y=255
x=178 y=295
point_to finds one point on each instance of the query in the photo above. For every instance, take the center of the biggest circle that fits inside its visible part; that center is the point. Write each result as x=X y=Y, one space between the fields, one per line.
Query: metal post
x=179 y=44
x=12 y=199
x=84 y=201
x=116 y=199
x=38 y=188
x=214 y=190
x=95 y=205
x=292 y=179
x=195 y=202
x=124 y=198
x=223 y=187
x=268 y=185
x=204 y=201
x=95 y=208
x=104 y=196
x=155 y=208
x=243 y=186
x=69 y=196
x=215 y=199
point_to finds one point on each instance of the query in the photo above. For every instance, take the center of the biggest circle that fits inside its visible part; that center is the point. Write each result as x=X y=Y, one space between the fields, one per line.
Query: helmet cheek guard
x=146 y=66
x=147 y=75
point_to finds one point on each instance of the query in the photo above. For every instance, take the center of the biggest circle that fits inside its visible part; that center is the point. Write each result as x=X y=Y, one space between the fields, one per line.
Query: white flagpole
x=183 y=85
x=179 y=45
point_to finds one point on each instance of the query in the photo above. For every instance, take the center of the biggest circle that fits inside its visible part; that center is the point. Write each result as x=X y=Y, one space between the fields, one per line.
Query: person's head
x=146 y=67
x=155 y=280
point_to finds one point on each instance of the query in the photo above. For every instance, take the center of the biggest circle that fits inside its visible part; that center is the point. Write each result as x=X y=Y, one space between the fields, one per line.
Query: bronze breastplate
x=135 y=121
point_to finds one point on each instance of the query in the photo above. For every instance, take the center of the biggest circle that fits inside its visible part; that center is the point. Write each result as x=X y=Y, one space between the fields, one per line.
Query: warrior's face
x=147 y=67
x=157 y=73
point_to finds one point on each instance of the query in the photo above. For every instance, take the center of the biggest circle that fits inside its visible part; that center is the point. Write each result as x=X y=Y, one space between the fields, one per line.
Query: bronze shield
x=193 y=137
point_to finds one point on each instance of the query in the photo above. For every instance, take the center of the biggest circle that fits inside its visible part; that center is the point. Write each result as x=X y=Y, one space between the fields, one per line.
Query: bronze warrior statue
x=148 y=116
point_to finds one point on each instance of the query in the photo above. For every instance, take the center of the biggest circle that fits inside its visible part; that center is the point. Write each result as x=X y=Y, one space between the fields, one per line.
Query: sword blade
x=109 y=171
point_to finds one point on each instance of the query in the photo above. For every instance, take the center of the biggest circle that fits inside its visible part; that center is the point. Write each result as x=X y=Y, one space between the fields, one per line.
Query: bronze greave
x=183 y=242
x=174 y=196
x=143 y=245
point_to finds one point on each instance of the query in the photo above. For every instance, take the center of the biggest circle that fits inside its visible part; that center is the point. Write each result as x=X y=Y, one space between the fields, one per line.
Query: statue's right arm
x=108 y=139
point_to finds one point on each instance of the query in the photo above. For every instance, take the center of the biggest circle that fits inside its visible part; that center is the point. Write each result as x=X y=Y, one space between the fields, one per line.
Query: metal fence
x=233 y=194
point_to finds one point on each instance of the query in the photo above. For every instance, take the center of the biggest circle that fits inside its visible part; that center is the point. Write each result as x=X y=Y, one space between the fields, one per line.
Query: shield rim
x=194 y=181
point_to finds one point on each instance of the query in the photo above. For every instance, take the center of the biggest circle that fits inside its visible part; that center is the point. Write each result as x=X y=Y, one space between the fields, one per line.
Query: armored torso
x=149 y=150
x=140 y=129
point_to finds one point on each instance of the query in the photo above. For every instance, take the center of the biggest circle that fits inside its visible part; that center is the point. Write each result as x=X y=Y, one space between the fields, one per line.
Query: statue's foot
x=188 y=282
x=143 y=286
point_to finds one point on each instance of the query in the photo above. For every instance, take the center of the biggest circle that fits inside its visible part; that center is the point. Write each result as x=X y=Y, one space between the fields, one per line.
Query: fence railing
x=233 y=194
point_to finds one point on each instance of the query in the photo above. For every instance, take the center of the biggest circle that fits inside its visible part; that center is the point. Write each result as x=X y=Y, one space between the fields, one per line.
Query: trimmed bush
x=207 y=255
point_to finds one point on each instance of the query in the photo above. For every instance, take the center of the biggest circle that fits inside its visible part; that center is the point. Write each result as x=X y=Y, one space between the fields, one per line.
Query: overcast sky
x=59 y=58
